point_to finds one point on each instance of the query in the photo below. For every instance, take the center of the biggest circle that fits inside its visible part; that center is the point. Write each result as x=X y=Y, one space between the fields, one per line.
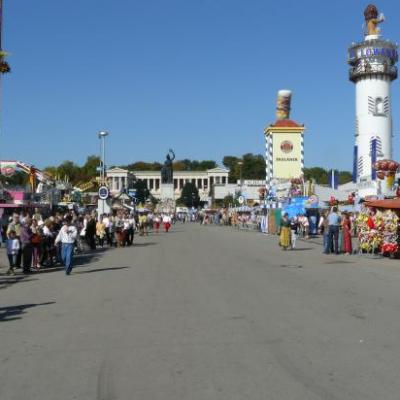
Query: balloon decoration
x=386 y=169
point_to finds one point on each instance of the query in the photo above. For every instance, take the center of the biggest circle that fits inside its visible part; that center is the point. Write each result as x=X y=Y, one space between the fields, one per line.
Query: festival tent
x=325 y=193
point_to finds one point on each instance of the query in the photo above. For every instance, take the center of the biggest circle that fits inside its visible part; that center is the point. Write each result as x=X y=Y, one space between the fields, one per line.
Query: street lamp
x=102 y=136
x=240 y=163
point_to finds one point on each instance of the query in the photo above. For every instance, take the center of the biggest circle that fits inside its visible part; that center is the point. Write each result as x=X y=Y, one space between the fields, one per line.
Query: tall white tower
x=372 y=69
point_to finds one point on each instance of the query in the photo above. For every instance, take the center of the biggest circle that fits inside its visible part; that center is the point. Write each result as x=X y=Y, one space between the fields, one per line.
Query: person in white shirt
x=132 y=227
x=107 y=223
x=167 y=222
x=67 y=237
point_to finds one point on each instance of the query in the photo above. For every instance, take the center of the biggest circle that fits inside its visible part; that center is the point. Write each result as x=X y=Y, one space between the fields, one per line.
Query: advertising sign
x=103 y=193
x=373 y=158
x=132 y=193
x=287 y=155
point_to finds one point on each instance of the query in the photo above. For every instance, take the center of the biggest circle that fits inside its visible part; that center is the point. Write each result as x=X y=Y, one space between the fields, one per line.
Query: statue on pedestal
x=167 y=175
x=373 y=19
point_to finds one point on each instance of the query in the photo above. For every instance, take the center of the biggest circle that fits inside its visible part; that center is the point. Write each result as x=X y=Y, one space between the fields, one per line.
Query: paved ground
x=204 y=313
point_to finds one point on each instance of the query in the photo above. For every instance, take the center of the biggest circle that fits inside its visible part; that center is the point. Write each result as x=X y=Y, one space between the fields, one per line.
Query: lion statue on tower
x=373 y=19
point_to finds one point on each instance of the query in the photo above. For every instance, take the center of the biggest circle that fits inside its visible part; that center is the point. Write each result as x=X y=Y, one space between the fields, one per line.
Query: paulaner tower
x=284 y=144
x=372 y=69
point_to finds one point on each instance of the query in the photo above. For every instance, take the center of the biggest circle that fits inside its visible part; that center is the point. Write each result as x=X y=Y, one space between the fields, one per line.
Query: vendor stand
x=378 y=227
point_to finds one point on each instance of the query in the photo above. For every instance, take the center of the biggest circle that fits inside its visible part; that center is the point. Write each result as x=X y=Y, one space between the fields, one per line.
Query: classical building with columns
x=118 y=179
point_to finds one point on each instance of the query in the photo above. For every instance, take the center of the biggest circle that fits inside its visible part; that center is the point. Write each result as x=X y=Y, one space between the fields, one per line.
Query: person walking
x=26 y=245
x=346 y=229
x=101 y=231
x=132 y=227
x=106 y=222
x=36 y=243
x=15 y=225
x=157 y=222
x=67 y=237
x=294 y=226
x=46 y=256
x=91 y=232
x=284 y=237
x=12 y=251
x=333 y=230
x=167 y=222
x=324 y=231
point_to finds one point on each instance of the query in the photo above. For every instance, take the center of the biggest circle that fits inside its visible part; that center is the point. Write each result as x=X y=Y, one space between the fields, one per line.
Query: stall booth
x=378 y=227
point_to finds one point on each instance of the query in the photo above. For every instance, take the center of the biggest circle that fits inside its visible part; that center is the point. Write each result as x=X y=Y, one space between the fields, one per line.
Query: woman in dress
x=36 y=243
x=101 y=231
x=346 y=230
x=284 y=239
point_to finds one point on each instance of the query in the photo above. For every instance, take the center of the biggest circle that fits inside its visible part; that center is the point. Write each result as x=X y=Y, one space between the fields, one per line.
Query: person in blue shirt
x=334 y=221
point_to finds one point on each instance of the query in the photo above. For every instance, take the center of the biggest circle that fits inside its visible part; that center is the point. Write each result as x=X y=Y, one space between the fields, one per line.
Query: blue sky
x=199 y=76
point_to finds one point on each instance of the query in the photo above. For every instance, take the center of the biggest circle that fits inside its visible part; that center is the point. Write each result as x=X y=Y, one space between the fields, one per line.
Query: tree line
x=248 y=166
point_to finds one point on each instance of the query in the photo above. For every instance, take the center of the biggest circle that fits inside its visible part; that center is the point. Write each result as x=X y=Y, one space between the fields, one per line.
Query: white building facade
x=119 y=179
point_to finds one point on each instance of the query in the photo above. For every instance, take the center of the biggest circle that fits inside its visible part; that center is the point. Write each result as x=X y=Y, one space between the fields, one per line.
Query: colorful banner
x=373 y=158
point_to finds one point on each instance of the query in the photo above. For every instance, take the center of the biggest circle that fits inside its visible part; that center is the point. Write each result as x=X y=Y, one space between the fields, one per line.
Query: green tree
x=345 y=177
x=228 y=200
x=89 y=169
x=253 y=166
x=51 y=170
x=143 y=166
x=205 y=164
x=142 y=192
x=190 y=195
x=69 y=170
x=320 y=175
x=231 y=162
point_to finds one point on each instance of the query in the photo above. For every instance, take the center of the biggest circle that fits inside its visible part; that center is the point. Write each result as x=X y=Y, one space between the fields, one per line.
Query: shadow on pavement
x=144 y=244
x=12 y=313
x=303 y=249
x=6 y=281
x=80 y=260
x=98 y=270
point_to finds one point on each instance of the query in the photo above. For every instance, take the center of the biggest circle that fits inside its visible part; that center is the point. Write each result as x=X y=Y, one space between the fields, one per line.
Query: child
x=294 y=226
x=12 y=251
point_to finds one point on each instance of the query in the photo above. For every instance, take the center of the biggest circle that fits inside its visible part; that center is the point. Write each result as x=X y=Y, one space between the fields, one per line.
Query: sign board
x=287 y=156
x=103 y=193
x=132 y=192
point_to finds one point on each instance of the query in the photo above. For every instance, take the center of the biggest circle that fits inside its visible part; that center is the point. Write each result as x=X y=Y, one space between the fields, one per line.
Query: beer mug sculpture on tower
x=283 y=104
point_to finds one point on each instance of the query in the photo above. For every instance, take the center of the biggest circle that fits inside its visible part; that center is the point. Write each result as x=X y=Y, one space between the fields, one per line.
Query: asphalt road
x=204 y=313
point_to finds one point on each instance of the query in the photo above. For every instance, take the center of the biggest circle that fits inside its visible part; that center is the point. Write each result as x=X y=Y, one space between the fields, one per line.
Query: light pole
x=240 y=163
x=102 y=136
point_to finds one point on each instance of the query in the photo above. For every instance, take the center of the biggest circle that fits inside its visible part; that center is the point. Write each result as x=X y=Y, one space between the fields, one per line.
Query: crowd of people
x=34 y=242
x=336 y=229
